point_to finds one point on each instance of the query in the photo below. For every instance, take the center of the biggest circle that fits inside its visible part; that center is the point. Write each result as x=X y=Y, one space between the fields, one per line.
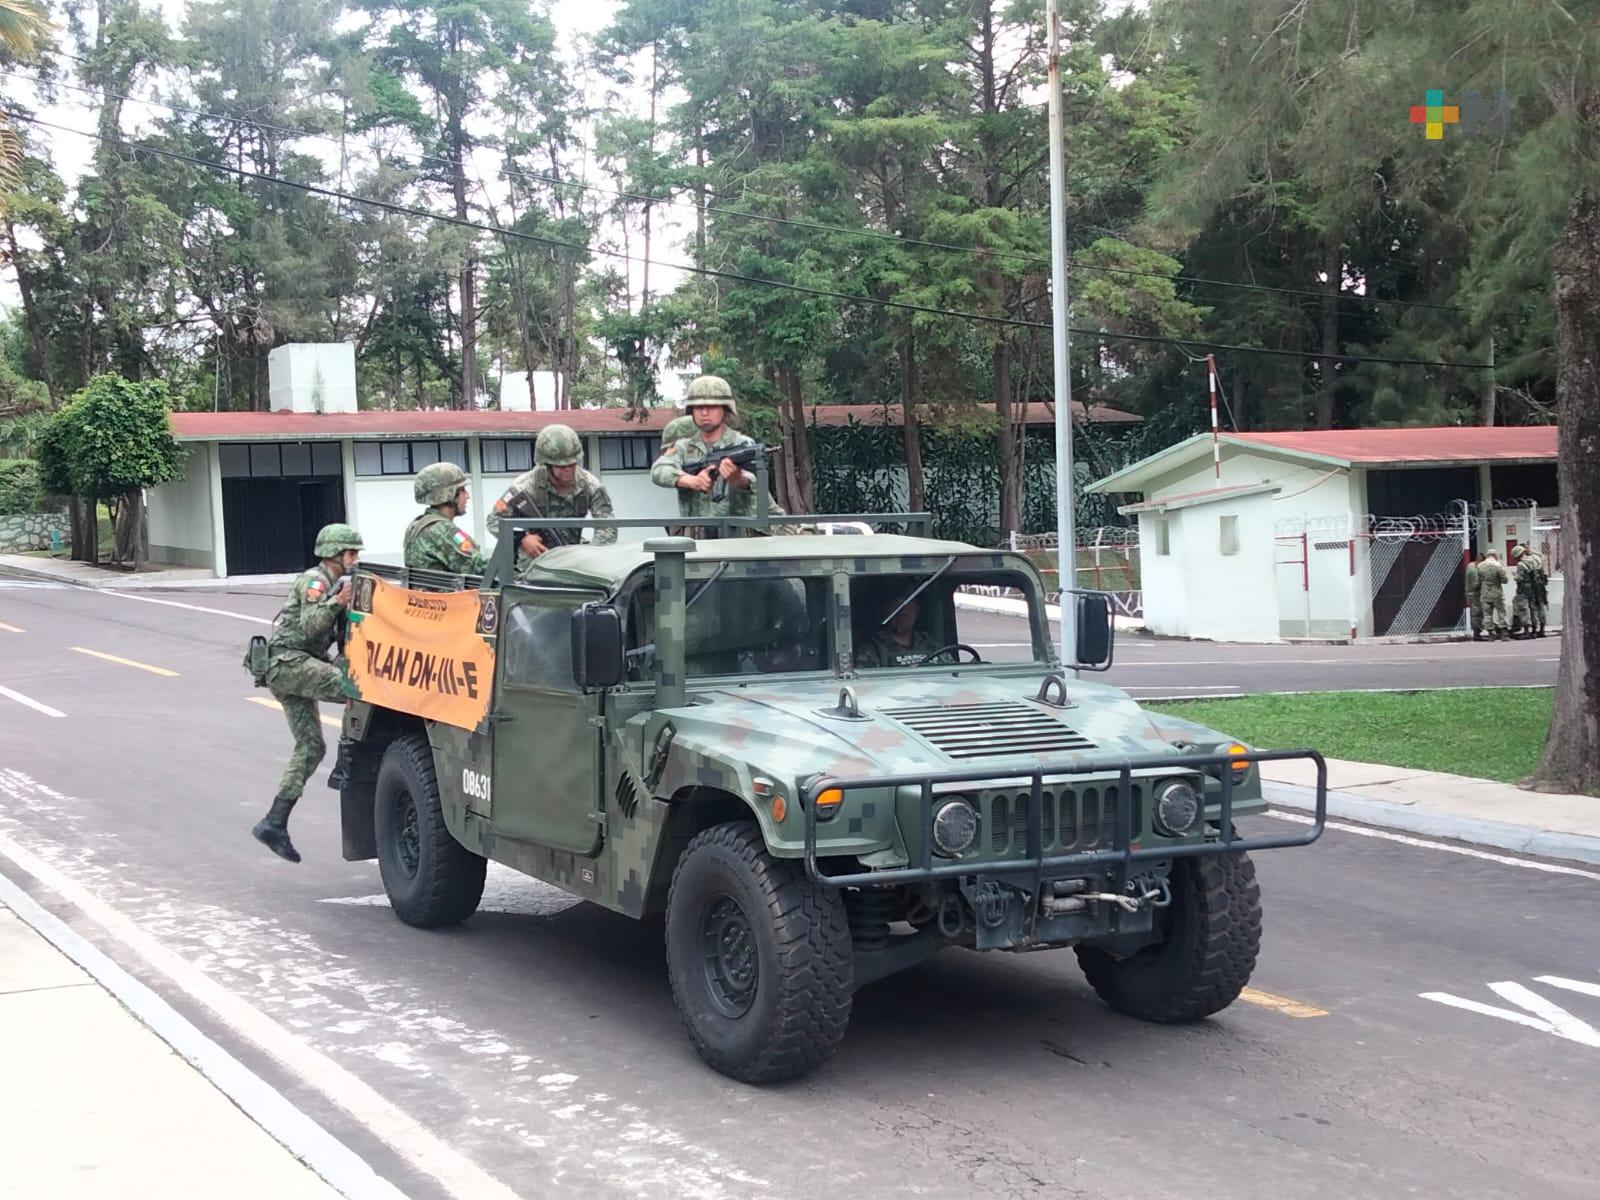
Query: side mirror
x=597 y=660
x=1096 y=632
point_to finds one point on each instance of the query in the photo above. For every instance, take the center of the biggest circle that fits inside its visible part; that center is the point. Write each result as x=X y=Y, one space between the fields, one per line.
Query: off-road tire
x=801 y=938
x=1213 y=935
x=444 y=885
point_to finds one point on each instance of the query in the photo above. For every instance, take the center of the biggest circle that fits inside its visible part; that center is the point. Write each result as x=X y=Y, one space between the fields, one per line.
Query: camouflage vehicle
x=681 y=729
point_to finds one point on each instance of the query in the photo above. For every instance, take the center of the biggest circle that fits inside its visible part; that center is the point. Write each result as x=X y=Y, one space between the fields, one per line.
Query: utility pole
x=1066 y=535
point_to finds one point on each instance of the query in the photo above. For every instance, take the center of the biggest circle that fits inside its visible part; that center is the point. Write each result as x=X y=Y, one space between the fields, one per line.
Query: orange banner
x=421 y=652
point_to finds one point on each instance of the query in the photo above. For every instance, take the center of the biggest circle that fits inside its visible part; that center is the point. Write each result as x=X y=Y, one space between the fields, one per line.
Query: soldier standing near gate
x=1527 y=609
x=1474 y=601
x=1491 y=592
x=299 y=674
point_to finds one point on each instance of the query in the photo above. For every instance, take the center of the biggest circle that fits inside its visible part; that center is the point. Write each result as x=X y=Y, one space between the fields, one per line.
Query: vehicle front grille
x=967 y=732
x=1081 y=818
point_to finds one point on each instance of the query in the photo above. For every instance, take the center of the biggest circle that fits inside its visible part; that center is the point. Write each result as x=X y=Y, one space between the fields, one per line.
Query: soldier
x=678 y=427
x=434 y=541
x=299 y=673
x=1540 y=599
x=710 y=402
x=1474 y=601
x=1491 y=595
x=896 y=641
x=1527 y=609
x=558 y=486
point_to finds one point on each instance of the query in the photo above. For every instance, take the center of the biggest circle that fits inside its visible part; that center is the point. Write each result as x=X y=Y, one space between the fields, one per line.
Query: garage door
x=275 y=496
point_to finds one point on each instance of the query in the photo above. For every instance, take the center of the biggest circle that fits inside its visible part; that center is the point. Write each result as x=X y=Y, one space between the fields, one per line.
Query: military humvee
x=683 y=729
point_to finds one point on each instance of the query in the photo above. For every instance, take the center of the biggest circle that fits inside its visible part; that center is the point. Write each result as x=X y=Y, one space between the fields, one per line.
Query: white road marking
x=33 y=704
x=303 y=1137
x=504 y=891
x=1425 y=844
x=1547 y=1016
x=216 y=612
x=1572 y=985
x=11 y=628
x=407 y=1137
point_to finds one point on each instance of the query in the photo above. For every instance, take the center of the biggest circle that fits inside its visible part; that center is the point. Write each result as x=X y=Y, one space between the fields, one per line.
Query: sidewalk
x=1434 y=804
x=95 y=1106
x=78 y=574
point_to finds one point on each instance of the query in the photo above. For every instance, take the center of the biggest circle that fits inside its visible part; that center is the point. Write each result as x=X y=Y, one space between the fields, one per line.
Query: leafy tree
x=109 y=443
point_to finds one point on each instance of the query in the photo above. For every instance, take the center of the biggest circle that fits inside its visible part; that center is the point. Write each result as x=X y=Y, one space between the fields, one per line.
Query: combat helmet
x=710 y=389
x=1517 y=552
x=333 y=540
x=557 y=446
x=438 y=483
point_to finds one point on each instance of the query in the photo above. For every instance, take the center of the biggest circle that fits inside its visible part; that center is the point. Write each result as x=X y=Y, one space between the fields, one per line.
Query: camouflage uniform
x=531 y=494
x=1491 y=595
x=435 y=543
x=677 y=429
x=882 y=650
x=685 y=457
x=299 y=675
x=1527 y=609
x=1474 y=601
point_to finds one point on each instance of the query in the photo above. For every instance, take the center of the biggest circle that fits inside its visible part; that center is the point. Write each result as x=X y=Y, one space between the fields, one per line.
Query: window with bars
x=407 y=458
x=279 y=460
x=628 y=453
x=506 y=455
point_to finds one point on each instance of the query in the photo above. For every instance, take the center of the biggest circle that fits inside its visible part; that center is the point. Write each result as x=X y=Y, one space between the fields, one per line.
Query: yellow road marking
x=330 y=722
x=11 y=628
x=1288 y=1007
x=126 y=662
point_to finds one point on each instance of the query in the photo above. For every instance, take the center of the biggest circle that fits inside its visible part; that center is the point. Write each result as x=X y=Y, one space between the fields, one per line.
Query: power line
x=713 y=272
x=799 y=223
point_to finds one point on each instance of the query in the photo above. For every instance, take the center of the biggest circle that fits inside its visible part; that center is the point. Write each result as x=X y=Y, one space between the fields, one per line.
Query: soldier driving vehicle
x=681 y=729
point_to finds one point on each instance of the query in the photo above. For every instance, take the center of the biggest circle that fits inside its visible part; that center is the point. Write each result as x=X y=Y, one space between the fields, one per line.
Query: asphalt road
x=535 y=1051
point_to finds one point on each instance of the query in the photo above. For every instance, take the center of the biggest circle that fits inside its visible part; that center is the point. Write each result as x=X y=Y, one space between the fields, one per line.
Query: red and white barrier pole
x=1216 y=443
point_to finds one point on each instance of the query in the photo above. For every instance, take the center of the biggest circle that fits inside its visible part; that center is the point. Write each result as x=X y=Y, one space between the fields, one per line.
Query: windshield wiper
x=926 y=583
x=715 y=575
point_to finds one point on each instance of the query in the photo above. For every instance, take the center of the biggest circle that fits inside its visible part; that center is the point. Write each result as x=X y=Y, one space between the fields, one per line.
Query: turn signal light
x=1239 y=765
x=780 y=810
x=828 y=801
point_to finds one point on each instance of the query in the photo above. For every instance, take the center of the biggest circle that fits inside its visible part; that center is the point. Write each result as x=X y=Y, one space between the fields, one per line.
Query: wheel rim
x=407 y=835
x=728 y=958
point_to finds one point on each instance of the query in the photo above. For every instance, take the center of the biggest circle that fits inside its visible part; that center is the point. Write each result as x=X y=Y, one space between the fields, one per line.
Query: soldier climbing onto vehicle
x=710 y=403
x=1491 y=595
x=557 y=486
x=299 y=673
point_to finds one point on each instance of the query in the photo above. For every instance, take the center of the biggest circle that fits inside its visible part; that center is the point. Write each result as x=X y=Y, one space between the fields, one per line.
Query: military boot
x=272 y=831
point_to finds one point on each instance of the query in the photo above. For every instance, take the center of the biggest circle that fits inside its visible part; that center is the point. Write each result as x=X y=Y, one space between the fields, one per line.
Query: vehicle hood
x=912 y=724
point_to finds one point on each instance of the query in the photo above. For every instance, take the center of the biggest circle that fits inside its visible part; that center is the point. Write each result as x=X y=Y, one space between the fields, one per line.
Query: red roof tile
x=1442 y=444
x=245 y=426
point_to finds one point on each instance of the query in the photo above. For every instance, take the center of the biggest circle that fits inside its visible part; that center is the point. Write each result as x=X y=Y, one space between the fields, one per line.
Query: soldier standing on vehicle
x=434 y=541
x=710 y=402
x=678 y=427
x=896 y=641
x=1474 y=601
x=1491 y=594
x=299 y=673
x=558 y=486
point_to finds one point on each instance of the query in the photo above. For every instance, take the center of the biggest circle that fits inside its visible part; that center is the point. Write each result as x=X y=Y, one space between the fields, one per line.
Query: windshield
x=937 y=619
x=757 y=626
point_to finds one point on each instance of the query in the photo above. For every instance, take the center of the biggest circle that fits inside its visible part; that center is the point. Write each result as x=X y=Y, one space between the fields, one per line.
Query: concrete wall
x=1231 y=597
x=1166 y=589
x=183 y=528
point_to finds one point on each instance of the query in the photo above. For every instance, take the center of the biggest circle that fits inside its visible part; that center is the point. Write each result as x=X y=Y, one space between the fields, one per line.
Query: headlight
x=1177 y=807
x=955 y=828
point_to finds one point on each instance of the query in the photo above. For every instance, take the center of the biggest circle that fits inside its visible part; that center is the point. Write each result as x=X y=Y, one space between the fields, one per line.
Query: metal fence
x=1107 y=560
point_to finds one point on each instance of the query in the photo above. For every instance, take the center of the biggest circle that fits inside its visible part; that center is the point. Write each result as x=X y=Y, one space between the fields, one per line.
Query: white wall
x=312 y=377
x=381 y=507
x=181 y=520
x=1230 y=596
x=633 y=495
x=1166 y=590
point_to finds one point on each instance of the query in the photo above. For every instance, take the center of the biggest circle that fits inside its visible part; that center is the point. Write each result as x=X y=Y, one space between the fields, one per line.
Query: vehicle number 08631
x=475 y=784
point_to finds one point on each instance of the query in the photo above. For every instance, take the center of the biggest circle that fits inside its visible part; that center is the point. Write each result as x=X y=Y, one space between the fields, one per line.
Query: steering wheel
x=954 y=647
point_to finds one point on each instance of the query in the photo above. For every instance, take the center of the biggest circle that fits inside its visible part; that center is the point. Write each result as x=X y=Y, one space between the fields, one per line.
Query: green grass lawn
x=1488 y=733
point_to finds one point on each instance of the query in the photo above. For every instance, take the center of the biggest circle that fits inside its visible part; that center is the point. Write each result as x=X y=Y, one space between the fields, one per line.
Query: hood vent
x=1003 y=729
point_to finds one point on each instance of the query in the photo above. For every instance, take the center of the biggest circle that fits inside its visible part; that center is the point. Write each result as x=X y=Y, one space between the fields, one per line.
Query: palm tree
x=23 y=24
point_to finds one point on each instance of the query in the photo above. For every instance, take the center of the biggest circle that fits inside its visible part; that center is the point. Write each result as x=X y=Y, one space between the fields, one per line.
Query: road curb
x=1502 y=835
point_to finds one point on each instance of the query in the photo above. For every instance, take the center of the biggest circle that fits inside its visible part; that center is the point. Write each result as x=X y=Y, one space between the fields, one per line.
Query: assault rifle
x=550 y=537
x=744 y=457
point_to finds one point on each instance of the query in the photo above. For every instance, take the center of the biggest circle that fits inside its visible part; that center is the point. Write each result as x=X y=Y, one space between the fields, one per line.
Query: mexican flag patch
x=314 y=590
x=463 y=542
